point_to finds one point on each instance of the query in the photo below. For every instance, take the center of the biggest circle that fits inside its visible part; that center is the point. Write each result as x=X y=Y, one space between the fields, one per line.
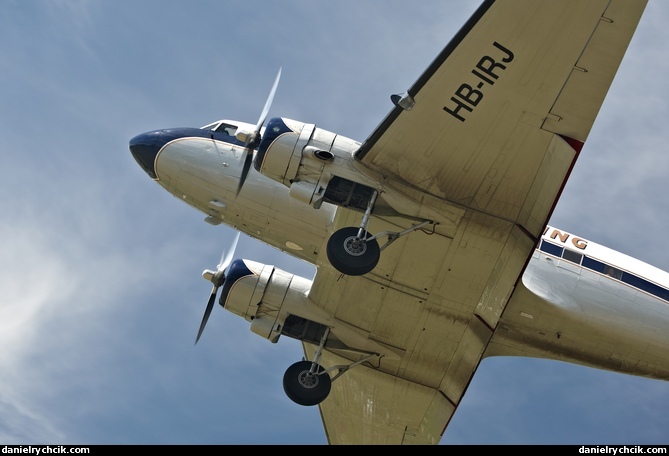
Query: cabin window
x=613 y=272
x=630 y=279
x=595 y=265
x=551 y=249
x=645 y=285
x=572 y=256
x=602 y=268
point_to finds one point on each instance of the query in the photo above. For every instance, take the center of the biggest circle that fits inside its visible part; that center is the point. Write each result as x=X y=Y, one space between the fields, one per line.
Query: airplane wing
x=489 y=134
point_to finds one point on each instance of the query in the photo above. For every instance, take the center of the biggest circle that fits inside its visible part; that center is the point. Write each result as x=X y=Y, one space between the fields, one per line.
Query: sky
x=101 y=292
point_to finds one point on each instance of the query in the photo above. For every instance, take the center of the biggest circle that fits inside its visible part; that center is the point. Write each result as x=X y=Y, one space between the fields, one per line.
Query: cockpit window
x=227 y=129
x=222 y=127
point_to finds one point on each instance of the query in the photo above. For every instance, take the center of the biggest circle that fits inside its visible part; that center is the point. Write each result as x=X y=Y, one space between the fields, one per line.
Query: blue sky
x=101 y=293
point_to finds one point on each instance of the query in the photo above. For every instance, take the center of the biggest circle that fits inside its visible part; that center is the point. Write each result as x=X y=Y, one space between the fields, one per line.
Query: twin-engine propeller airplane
x=430 y=238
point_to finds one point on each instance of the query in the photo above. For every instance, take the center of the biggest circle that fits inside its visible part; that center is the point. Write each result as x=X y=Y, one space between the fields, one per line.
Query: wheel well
x=305 y=330
x=302 y=329
x=346 y=193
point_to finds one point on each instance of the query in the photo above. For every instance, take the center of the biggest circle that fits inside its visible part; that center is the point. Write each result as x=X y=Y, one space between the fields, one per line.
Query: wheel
x=304 y=388
x=351 y=256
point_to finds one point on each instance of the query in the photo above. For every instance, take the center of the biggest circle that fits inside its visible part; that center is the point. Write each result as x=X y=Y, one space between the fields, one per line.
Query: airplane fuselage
x=204 y=173
x=594 y=312
x=429 y=239
x=567 y=307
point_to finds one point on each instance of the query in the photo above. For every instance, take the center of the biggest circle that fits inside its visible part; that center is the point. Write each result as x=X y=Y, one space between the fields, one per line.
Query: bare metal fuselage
x=559 y=311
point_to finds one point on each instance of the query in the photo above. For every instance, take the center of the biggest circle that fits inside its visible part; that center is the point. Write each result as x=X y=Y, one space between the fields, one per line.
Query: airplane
x=430 y=238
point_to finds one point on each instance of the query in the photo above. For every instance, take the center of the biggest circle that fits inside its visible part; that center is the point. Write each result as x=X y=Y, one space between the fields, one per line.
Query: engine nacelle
x=265 y=296
x=314 y=163
x=276 y=302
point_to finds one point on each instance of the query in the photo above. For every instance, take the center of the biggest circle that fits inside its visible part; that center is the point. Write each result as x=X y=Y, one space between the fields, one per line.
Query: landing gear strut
x=351 y=250
x=307 y=382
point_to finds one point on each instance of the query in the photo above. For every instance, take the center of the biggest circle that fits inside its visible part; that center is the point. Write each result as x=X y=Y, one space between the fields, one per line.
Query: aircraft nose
x=145 y=148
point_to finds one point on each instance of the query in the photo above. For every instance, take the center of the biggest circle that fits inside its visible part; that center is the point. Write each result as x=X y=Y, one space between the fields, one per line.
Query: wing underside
x=497 y=123
x=519 y=77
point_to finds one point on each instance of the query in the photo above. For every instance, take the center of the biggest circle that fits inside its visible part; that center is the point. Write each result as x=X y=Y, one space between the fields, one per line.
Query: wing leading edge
x=518 y=78
x=498 y=121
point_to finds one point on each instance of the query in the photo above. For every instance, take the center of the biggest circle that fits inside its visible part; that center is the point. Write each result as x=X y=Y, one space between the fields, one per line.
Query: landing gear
x=351 y=250
x=351 y=253
x=306 y=383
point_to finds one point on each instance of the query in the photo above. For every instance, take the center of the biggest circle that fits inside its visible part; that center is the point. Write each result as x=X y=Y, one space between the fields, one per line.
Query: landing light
x=293 y=246
x=403 y=100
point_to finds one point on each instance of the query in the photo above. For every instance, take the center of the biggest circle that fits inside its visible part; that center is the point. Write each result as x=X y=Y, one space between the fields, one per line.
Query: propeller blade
x=207 y=312
x=217 y=278
x=254 y=140
x=268 y=103
x=248 y=160
x=227 y=259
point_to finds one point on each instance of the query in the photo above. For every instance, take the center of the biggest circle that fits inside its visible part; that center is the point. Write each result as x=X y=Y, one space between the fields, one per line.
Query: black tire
x=303 y=388
x=350 y=259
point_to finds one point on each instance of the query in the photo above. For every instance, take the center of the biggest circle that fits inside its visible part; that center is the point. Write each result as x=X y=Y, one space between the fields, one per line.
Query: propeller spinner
x=253 y=139
x=216 y=277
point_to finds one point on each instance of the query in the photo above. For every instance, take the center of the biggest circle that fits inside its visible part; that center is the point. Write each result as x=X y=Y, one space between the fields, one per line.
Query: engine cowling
x=265 y=296
x=307 y=159
x=276 y=303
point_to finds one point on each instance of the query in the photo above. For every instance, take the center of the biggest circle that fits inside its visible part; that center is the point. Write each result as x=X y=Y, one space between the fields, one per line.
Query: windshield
x=222 y=127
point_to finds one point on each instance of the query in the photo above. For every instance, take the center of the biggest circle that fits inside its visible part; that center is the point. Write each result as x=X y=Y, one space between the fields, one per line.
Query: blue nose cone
x=145 y=148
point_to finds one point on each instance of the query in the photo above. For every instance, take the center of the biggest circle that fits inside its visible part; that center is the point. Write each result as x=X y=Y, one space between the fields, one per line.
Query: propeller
x=253 y=139
x=216 y=277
